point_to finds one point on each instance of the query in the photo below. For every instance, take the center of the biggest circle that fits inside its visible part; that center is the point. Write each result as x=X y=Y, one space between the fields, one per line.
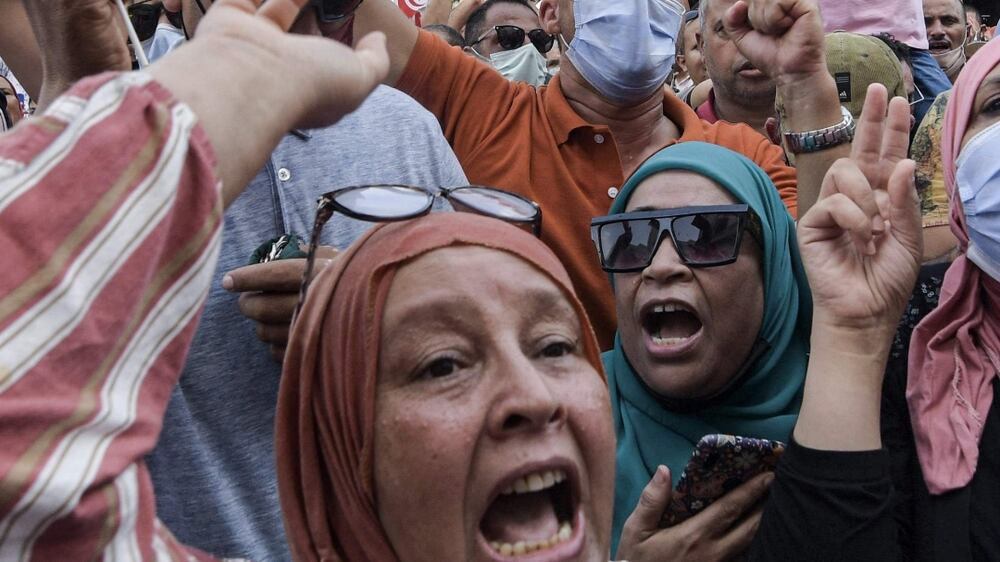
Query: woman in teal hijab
x=713 y=316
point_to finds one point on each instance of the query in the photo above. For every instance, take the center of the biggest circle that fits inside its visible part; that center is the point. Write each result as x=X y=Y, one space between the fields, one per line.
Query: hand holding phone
x=721 y=532
x=719 y=464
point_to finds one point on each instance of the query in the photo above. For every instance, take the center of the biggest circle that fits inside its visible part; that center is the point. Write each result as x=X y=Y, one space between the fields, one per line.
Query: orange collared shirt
x=530 y=141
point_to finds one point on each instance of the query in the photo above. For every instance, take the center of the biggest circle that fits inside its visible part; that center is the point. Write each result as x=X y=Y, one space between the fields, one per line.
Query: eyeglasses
x=917 y=96
x=703 y=236
x=335 y=10
x=511 y=37
x=389 y=203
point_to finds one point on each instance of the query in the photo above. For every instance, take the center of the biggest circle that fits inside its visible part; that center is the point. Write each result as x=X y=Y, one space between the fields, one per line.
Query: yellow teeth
x=521 y=548
x=668 y=341
x=535 y=482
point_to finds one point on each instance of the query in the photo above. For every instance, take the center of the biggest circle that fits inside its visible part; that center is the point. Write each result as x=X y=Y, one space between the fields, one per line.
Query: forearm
x=378 y=15
x=19 y=48
x=243 y=134
x=460 y=15
x=807 y=104
x=436 y=12
x=843 y=391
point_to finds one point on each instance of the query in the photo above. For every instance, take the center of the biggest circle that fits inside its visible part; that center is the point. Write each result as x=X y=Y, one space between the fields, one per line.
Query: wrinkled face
x=493 y=432
x=693 y=59
x=986 y=107
x=505 y=14
x=945 y=25
x=687 y=331
x=732 y=75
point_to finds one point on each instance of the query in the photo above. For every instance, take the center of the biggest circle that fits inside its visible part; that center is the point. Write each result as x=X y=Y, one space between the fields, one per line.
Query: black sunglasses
x=703 y=236
x=511 y=37
x=335 y=10
x=388 y=203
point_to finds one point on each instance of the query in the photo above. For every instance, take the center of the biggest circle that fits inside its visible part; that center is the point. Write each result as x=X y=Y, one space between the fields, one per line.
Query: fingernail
x=878 y=224
x=228 y=283
x=661 y=475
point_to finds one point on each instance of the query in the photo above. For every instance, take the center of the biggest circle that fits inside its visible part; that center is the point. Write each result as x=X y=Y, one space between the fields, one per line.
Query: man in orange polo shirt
x=569 y=146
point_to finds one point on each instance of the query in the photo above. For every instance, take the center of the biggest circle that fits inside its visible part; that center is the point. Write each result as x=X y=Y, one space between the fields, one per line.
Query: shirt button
x=599 y=139
x=613 y=192
x=284 y=174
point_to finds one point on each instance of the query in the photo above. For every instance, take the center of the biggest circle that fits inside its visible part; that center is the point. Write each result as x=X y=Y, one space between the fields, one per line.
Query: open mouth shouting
x=534 y=515
x=939 y=45
x=671 y=329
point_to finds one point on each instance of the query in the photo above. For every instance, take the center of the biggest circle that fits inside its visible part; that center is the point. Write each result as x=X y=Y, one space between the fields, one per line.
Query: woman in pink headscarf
x=938 y=419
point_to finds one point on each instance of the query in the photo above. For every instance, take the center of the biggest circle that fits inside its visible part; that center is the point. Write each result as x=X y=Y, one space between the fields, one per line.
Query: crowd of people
x=311 y=280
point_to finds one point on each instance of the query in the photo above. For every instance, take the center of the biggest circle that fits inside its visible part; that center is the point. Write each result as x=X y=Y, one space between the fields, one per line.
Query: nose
x=936 y=30
x=667 y=265
x=527 y=401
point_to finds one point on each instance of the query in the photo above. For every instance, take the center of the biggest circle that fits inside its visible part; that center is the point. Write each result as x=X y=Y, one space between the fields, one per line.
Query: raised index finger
x=866 y=150
x=282 y=12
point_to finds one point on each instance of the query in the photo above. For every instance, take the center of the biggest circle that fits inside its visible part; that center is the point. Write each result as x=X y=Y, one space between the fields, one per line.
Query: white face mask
x=978 y=179
x=523 y=64
x=625 y=48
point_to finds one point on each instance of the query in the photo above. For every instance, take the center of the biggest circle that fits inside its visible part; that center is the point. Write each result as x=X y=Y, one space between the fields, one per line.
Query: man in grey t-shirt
x=213 y=468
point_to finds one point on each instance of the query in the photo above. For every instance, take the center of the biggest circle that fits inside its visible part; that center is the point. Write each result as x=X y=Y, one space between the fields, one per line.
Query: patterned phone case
x=719 y=464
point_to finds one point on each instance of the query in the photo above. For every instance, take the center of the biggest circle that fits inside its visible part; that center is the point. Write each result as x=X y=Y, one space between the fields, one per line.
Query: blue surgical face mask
x=625 y=48
x=523 y=64
x=978 y=179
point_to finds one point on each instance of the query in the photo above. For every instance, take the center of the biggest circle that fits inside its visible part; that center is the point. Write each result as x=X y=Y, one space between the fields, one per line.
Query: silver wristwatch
x=822 y=139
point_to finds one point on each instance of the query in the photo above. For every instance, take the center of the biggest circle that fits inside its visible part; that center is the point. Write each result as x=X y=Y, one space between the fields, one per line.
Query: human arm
x=110 y=211
x=18 y=46
x=784 y=38
x=435 y=12
x=860 y=245
x=722 y=531
x=460 y=15
x=400 y=32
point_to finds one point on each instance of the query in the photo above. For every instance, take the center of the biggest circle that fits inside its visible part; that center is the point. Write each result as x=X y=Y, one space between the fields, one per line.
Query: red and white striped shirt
x=110 y=214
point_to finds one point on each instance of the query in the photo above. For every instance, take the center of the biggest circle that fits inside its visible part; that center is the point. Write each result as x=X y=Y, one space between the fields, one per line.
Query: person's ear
x=548 y=13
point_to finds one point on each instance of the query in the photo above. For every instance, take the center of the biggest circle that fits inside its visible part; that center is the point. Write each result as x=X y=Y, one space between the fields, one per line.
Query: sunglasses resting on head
x=392 y=203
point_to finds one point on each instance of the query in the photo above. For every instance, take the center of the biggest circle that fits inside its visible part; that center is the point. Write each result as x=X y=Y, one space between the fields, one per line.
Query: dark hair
x=449 y=34
x=901 y=50
x=475 y=26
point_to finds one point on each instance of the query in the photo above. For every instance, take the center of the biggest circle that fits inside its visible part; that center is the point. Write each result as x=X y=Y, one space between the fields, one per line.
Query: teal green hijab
x=766 y=404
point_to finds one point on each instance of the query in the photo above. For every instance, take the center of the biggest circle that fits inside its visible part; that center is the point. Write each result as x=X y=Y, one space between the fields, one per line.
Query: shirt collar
x=563 y=120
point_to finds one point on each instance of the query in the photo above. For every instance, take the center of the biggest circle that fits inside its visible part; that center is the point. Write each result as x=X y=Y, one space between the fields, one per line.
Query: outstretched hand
x=783 y=38
x=327 y=79
x=861 y=242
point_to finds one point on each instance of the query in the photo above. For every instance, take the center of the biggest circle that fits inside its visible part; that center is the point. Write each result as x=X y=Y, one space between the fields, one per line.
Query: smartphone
x=718 y=464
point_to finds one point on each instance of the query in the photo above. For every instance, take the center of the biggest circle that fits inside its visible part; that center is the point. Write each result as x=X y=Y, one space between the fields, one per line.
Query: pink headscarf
x=951 y=371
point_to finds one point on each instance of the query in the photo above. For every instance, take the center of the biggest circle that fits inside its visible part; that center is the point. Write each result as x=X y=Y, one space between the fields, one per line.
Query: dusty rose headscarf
x=950 y=385
x=326 y=406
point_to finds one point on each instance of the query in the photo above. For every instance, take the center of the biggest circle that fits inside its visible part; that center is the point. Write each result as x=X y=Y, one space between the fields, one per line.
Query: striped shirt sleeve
x=110 y=215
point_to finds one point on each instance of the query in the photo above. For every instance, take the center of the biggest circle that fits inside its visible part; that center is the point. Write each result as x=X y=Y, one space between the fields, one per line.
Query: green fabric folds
x=766 y=403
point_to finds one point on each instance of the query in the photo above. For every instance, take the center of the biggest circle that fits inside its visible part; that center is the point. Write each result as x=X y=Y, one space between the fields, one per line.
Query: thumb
x=653 y=501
